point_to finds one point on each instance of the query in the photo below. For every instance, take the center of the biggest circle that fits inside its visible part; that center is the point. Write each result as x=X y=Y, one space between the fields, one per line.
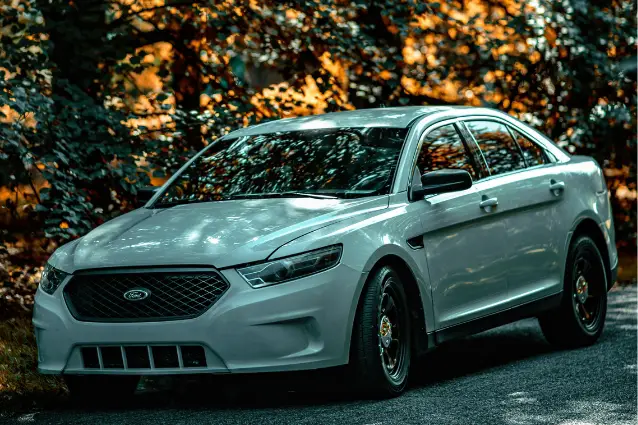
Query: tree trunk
x=187 y=83
x=76 y=31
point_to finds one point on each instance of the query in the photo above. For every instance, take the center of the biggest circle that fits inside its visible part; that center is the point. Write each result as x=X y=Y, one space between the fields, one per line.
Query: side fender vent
x=416 y=242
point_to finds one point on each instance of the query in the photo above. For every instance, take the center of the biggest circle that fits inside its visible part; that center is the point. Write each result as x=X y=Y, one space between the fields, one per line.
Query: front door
x=464 y=243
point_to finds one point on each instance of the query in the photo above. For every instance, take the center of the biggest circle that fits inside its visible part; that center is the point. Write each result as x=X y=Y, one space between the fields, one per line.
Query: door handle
x=556 y=186
x=488 y=202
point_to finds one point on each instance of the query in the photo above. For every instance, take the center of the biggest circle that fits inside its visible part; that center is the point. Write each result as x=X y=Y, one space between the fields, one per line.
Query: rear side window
x=497 y=145
x=551 y=156
x=533 y=153
x=443 y=148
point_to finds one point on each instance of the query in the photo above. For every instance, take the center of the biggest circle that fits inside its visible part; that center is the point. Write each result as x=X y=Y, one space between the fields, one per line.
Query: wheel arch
x=420 y=341
x=587 y=226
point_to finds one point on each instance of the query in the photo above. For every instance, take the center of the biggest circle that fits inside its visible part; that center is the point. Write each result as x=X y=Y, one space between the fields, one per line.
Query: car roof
x=397 y=117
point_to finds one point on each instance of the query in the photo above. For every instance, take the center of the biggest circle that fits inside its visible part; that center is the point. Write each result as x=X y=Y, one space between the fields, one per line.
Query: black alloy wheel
x=381 y=341
x=580 y=318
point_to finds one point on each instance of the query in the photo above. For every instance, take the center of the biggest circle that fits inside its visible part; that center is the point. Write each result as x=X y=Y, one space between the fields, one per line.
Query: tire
x=381 y=333
x=580 y=318
x=101 y=389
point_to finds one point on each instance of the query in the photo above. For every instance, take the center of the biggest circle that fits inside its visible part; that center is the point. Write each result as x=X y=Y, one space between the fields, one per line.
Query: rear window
x=497 y=145
x=533 y=154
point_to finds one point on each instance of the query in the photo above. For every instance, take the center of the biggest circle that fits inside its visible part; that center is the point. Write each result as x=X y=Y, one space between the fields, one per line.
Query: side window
x=533 y=153
x=499 y=149
x=443 y=148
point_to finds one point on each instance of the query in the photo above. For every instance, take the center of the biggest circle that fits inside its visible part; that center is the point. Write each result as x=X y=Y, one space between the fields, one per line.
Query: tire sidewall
x=375 y=379
x=581 y=245
x=396 y=282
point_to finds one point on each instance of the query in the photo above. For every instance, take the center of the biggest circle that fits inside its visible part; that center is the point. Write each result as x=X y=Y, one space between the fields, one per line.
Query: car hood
x=219 y=234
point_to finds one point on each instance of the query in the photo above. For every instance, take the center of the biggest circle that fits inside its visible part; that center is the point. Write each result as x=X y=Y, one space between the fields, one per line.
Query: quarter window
x=443 y=148
x=531 y=151
x=499 y=148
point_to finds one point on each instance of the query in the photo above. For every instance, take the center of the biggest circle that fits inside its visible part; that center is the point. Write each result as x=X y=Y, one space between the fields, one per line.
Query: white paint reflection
x=212 y=240
x=144 y=244
x=313 y=203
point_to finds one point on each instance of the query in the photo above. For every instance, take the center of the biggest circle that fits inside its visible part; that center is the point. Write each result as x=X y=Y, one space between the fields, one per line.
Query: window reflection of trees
x=499 y=148
x=310 y=160
x=531 y=151
x=443 y=148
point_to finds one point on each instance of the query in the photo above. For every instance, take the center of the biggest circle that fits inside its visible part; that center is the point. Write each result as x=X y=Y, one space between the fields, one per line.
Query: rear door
x=463 y=244
x=524 y=193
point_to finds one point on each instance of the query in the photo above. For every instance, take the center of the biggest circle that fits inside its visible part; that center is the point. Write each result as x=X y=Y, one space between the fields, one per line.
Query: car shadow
x=478 y=353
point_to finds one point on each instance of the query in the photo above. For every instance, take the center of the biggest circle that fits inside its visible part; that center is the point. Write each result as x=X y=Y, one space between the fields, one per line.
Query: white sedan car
x=360 y=238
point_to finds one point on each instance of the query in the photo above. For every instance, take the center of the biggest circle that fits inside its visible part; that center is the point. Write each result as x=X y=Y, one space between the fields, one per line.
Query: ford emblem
x=137 y=294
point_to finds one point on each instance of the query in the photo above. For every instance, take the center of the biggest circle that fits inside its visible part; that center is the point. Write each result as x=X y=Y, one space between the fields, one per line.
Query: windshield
x=338 y=162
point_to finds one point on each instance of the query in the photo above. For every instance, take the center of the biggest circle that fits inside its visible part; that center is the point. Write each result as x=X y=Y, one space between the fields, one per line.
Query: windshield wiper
x=177 y=202
x=282 y=195
x=311 y=195
x=292 y=194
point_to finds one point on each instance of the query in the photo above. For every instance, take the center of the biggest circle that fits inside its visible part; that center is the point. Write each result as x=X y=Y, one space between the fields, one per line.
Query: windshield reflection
x=318 y=163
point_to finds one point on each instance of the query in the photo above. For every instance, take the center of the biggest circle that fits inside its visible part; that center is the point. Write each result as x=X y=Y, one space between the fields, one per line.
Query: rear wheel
x=101 y=389
x=380 y=352
x=580 y=319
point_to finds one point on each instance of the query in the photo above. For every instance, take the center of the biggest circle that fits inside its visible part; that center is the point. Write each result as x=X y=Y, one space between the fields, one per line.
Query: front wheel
x=380 y=352
x=580 y=319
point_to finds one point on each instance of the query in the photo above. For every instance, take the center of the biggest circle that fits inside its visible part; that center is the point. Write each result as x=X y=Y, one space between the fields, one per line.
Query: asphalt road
x=509 y=375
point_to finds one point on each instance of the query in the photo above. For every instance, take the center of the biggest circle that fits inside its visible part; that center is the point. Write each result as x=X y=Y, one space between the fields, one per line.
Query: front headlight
x=51 y=279
x=289 y=268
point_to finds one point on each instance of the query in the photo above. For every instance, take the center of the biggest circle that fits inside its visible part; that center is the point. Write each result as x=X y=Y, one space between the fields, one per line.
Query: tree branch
x=425 y=99
x=125 y=17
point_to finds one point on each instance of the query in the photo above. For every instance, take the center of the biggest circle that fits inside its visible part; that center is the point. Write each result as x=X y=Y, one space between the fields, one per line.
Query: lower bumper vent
x=144 y=357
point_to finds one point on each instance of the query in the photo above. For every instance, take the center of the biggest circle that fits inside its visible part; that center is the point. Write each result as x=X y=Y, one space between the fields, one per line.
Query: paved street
x=505 y=376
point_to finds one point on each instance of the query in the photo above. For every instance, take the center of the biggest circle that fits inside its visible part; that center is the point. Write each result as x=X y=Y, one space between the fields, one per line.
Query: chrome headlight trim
x=290 y=268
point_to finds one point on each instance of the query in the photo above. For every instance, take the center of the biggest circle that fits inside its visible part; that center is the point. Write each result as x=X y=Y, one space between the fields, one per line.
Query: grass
x=20 y=383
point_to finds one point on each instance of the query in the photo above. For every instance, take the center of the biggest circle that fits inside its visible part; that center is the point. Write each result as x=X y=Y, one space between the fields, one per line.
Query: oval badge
x=137 y=294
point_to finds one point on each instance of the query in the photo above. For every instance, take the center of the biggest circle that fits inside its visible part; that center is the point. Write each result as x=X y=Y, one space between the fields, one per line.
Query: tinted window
x=531 y=151
x=342 y=162
x=443 y=148
x=498 y=147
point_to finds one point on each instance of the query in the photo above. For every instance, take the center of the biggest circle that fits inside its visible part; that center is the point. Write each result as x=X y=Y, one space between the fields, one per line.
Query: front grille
x=143 y=357
x=168 y=295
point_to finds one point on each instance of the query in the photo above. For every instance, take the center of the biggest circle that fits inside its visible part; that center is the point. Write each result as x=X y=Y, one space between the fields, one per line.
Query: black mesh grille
x=171 y=295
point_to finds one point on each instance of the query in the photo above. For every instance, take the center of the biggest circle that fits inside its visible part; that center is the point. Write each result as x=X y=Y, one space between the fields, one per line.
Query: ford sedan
x=361 y=238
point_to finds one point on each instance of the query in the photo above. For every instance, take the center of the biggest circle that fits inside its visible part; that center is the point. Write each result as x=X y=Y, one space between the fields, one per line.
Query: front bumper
x=298 y=325
x=614 y=274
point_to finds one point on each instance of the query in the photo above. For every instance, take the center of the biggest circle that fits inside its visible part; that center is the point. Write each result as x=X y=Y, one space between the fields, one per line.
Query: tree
x=58 y=136
x=587 y=94
x=134 y=86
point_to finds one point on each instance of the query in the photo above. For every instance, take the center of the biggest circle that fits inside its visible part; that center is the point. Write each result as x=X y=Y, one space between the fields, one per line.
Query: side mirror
x=442 y=181
x=145 y=194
